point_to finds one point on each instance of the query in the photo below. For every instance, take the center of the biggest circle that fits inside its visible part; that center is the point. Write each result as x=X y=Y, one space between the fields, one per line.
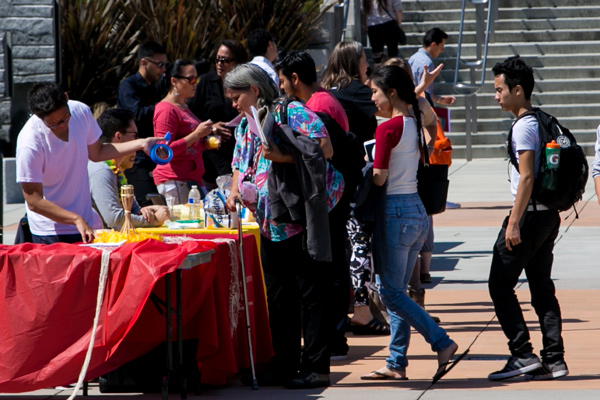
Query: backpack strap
x=285 y=102
x=509 y=147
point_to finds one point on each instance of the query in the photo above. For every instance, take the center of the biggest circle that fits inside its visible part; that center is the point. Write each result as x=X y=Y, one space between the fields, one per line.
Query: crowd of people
x=298 y=168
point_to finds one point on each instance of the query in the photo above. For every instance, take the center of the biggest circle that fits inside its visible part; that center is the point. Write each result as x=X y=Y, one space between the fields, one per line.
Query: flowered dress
x=249 y=161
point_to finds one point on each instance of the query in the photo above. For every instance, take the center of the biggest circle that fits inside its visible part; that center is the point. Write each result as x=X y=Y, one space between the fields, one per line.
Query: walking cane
x=238 y=206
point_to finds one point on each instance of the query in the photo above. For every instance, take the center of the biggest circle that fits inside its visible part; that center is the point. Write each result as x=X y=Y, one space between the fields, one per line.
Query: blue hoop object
x=154 y=157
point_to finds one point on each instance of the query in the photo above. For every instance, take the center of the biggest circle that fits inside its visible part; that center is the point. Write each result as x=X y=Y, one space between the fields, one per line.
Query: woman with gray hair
x=297 y=285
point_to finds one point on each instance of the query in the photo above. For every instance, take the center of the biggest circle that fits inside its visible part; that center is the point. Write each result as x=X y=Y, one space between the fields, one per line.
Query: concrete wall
x=32 y=43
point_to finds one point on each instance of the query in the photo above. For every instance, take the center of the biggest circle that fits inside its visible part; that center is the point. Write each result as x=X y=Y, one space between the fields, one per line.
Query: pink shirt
x=323 y=101
x=186 y=164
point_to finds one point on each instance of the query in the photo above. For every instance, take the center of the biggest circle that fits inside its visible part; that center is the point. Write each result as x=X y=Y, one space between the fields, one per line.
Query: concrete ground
x=459 y=296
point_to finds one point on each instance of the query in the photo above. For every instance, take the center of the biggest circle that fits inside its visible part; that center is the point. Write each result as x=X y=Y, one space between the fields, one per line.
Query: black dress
x=210 y=102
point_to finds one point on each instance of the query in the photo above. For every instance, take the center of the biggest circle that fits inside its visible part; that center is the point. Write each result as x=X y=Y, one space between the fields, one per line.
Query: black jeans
x=340 y=268
x=298 y=301
x=534 y=255
x=384 y=34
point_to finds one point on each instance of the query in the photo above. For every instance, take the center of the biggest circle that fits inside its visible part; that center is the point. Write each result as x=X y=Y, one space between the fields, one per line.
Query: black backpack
x=348 y=154
x=573 y=169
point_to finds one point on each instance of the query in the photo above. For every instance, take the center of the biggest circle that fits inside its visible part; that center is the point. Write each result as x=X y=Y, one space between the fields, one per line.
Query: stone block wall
x=33 y=47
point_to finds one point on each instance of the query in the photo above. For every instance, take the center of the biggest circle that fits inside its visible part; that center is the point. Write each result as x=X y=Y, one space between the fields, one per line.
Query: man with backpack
x=526 y=240
x=298 y=78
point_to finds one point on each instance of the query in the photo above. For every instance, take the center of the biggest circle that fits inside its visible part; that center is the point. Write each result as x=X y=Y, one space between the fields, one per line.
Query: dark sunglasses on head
x=159 y=64
x=223 y=60
x=191 y=79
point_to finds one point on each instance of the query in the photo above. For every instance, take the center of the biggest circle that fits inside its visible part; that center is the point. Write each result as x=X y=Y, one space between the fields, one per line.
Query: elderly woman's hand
x=273 y=153
x=234 y=196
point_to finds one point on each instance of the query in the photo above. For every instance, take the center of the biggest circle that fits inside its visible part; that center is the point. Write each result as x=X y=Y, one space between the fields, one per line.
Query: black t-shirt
x=360 y=109
x=137 y=96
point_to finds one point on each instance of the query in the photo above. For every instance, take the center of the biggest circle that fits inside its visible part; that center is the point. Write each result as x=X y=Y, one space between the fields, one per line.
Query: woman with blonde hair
x=345 y=78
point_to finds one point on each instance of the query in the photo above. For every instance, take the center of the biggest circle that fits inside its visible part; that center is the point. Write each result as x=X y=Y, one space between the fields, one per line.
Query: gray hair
x=244 y=75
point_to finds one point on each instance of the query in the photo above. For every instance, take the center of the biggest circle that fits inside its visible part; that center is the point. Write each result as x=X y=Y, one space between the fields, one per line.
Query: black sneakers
x=308 y=380
x=553 y=370
x=516 y=366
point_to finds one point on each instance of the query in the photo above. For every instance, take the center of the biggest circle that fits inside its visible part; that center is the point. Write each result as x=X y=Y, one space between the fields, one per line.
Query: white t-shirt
x=397 y=151
x=266 y=66
x=378 y=15
x=525 y=136
x=61 y=167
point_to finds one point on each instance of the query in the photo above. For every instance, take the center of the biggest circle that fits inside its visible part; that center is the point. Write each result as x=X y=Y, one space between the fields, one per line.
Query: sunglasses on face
x=159 y=64
x=191 y=79
x=223 y=60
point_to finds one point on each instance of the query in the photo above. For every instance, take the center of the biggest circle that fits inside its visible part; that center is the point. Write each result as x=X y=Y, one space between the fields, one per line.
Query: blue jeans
x=406 y=230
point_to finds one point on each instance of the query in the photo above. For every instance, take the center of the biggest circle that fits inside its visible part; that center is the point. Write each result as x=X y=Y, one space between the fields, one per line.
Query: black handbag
x=432 y=182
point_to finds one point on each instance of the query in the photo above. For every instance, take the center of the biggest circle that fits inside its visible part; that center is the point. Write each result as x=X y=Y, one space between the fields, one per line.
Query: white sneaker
x=452 y=206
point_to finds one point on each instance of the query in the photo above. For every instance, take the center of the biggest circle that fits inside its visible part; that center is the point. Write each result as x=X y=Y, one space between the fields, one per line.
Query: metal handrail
x=346 y=10
x=473 y=87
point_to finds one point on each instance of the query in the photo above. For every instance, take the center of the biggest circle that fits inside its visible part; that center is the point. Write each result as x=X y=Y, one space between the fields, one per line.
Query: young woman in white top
x=396 y=161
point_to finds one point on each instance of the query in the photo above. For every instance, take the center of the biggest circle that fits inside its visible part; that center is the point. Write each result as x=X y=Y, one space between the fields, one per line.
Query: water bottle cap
x=553 y=145
x=196 y=187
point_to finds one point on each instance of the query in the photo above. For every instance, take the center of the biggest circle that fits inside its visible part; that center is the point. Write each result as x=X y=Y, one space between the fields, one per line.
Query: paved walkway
x=458 y=295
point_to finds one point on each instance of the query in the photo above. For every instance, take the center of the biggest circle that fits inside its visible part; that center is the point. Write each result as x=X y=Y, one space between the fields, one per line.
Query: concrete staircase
x=558 y=38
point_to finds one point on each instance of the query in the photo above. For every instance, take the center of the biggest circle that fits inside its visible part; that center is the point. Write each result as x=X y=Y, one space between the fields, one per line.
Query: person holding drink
x=187 y=133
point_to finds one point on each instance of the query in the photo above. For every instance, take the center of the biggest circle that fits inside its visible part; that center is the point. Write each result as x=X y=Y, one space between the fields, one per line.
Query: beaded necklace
x=115 y=168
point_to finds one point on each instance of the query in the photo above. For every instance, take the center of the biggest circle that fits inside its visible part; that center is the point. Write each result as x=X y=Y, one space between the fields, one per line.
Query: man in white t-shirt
x=52 y=153
x=261 y=46
x=526 y=241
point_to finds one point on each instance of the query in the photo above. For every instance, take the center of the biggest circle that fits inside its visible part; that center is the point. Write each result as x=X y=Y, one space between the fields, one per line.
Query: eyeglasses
x=134 y=133
x=62 y=122
x=191 y=79
x=159 y=64
x=223 y=60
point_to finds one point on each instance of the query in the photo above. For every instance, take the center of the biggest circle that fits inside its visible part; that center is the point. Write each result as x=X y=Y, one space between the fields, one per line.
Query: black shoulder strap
x=285 y=102
x=511 y=153
x=387 y=12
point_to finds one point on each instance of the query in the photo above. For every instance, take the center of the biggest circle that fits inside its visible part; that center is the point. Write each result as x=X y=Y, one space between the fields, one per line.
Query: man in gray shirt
x=433 y=45
x=106 y=177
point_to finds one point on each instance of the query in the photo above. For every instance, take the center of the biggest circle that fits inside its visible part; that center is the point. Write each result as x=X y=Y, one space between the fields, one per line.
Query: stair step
x=504 y=14
x=560 y=111
x=499 y=151
x=423 y=6
x=558 y=38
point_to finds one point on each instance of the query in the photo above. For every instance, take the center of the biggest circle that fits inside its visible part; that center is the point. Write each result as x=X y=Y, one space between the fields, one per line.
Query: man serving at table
x=52 y=153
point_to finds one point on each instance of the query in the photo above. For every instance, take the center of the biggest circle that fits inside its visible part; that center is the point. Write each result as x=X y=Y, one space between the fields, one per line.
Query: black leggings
x=384 y=34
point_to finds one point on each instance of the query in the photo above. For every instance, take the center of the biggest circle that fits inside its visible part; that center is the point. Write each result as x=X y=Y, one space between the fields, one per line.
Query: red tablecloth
x=48 y=299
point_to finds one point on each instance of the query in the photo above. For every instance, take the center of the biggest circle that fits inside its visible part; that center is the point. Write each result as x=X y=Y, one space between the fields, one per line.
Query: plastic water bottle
x=194 y=203
x=552 y=163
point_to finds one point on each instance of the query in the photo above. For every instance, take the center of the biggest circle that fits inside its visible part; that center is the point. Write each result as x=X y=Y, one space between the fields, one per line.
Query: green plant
x=100 y=37
x=293 y=22
x=97 y=47
x=187 y=28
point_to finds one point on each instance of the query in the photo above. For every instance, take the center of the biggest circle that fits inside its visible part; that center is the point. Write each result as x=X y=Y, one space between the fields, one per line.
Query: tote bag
x=432 y=182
